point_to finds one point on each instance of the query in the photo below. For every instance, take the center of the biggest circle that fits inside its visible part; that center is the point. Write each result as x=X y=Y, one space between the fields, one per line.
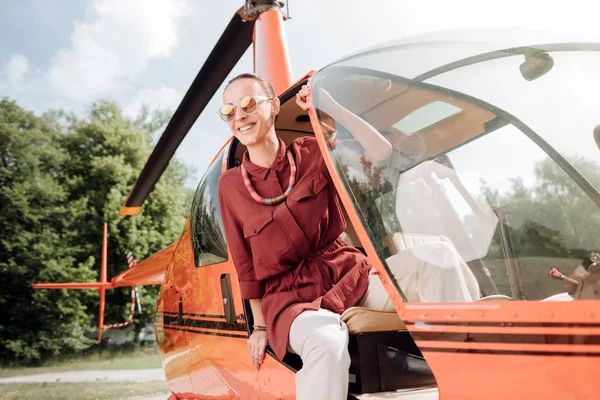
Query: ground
x=129 y=375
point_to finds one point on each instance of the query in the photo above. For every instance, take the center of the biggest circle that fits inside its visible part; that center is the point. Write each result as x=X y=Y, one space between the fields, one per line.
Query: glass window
x=497 y=164
x=426 y=116
x=206 y=226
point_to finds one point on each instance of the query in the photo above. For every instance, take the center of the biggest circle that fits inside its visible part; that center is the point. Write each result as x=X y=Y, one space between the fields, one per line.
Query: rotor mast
x=271 y=57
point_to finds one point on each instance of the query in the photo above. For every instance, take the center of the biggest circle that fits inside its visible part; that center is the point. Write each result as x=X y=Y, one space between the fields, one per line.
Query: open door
x=480 y=198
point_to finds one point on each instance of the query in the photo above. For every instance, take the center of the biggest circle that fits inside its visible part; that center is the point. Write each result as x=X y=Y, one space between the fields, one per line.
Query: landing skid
x=406 y=394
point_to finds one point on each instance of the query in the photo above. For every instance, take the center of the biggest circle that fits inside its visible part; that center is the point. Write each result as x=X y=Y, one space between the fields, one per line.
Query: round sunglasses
x=248 y=105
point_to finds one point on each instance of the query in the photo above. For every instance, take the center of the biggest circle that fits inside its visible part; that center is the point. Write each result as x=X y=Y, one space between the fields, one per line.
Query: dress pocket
x=268 y=243
x=310 y=188
x=255 y=224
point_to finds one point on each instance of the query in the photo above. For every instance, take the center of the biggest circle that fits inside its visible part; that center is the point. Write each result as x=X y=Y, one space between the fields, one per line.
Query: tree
x=38 y=225
x=553 y=217
x=369 y=191
x=62 y=177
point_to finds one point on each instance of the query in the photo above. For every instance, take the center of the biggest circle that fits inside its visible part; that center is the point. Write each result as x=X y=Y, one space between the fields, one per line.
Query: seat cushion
x=361 y=319
x=398 y=242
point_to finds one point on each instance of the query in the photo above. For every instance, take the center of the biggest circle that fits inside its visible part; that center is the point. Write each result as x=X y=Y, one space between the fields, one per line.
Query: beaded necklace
x=275 y=200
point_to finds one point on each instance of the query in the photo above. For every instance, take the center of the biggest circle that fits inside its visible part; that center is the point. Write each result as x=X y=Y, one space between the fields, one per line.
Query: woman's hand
x=257 y=343
x=302 y=98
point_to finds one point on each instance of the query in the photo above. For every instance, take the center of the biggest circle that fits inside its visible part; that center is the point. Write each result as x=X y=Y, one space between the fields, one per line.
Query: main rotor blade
x=232 y=44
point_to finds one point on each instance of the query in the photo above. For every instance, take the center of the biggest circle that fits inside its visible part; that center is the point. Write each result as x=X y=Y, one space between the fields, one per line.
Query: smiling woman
x=283 y=220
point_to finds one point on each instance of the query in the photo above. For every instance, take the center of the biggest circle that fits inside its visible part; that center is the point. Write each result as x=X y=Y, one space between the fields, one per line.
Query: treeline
x=61 y=178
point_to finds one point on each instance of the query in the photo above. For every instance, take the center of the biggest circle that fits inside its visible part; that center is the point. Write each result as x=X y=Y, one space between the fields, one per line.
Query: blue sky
x=70 y=53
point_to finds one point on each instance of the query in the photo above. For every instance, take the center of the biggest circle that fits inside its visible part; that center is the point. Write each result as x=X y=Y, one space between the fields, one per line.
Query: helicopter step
x=384 y=357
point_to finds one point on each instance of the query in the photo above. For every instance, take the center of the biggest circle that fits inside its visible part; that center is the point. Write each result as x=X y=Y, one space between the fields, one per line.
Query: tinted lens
x=248 y=104
x=227 y=112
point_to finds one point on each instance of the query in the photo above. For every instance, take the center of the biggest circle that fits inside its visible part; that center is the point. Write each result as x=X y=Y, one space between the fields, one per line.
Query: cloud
x=161 y=98
x=107 y=53
x=118 y=44
x=16 y=68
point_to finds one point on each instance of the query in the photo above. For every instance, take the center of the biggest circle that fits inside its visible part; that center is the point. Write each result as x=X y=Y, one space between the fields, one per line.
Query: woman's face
x=254 y=128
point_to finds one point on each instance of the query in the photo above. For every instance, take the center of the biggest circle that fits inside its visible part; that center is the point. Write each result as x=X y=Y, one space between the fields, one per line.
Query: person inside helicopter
x=429 y=269
x=283 y=220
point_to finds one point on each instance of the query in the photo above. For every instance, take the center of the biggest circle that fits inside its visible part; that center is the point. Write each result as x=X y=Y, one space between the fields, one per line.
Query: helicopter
x=495 y=139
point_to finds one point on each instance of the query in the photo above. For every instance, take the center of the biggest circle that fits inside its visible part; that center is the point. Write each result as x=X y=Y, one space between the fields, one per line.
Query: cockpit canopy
x=495 y=142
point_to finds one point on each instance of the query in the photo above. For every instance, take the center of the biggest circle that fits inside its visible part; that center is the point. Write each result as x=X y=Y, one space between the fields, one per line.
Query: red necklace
x=275 y=200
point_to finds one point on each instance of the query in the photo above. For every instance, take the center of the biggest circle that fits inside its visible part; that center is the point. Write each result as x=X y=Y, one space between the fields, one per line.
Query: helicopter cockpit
x=493 y=152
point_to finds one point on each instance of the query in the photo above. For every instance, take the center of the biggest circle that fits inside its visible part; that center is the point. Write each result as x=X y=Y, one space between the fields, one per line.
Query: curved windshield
x=494 y=159
x=206 y=226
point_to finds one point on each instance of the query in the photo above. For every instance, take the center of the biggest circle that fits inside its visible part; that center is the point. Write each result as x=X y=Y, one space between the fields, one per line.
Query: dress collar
x=261 y=172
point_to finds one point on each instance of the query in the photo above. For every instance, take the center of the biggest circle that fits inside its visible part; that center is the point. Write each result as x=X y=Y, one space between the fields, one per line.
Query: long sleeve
x=250 y=287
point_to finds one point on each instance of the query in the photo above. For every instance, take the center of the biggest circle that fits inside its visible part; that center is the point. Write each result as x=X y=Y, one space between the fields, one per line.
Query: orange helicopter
x=494 y=155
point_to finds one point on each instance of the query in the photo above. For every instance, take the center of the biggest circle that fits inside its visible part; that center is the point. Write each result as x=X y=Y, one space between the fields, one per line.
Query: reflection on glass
x=206 y=231
x=426 y=116
x=476 y=198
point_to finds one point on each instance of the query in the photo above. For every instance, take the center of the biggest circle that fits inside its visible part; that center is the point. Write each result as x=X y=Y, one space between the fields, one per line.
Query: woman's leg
x=428 y=272
x=320 y=338
x=376 y=297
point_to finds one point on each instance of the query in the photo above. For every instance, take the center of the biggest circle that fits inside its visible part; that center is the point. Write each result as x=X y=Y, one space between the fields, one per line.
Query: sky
x=71 y=53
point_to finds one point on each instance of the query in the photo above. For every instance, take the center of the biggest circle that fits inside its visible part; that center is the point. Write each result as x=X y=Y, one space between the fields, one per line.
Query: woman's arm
x=257 y=314
x=377 y=147
x=240 y=253
x=257 y=343
x=250 y=287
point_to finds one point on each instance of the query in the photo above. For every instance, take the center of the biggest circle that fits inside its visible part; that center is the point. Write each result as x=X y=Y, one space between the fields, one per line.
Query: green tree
x=369 y=190
x=553 y=217
x=38 y=225
x=564 y=206
x=107 y=152
x=62 y=177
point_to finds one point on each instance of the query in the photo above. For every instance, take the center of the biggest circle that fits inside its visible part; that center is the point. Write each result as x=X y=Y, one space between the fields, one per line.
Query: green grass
x=108 y=360
x=81 y=391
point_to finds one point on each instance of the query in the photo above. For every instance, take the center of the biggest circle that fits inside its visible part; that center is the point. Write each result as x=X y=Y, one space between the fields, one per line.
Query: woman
x=283 y=219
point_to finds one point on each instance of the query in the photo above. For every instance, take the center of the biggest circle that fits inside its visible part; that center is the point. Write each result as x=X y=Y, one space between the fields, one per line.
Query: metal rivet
x=550 y=314
x=482 y=314
x=514 y=314
x=452 y=315
x=589 y=314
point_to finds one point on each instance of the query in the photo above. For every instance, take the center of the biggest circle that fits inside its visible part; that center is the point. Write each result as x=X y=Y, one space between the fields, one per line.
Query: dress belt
x=337 y=243
x=317 y=254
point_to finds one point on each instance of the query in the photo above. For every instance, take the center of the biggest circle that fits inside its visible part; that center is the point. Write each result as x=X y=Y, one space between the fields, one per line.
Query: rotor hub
x=254 y=8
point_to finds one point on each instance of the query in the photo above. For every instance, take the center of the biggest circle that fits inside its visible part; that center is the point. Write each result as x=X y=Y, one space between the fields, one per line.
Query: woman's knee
x=328 y=342
x=445 y=256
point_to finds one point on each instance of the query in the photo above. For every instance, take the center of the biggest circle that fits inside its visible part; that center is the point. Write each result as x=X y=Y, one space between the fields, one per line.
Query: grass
x=81 y=391
x=142 y=358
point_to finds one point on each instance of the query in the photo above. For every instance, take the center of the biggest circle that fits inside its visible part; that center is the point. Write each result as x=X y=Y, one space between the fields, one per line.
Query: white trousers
x=320 y=337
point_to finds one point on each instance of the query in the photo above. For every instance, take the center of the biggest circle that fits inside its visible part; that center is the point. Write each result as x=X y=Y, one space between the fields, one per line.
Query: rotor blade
x=231 y=46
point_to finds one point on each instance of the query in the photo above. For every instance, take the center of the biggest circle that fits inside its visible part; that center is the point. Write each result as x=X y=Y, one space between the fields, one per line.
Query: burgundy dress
x=290 y=254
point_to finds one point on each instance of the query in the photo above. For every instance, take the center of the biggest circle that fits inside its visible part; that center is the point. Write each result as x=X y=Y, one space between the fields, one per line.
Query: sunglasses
x=248 y=105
